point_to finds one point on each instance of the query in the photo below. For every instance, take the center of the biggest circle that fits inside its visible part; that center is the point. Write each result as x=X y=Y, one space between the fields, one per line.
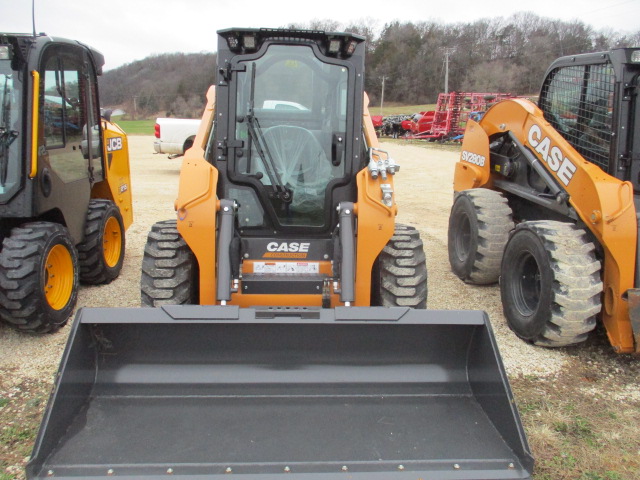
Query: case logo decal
x=551 y=154
x=287 y=250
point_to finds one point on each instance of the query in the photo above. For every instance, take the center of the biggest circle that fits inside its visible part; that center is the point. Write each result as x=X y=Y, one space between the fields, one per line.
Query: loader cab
x=591 y=100
x=51 y=145
x=292 y=142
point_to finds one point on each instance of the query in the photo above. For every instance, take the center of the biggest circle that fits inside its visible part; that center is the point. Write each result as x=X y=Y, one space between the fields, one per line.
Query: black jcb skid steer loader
x=65 y=191
x=288 y=335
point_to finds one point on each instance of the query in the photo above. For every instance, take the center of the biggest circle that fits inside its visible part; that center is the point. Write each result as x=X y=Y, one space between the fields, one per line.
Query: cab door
x=69 y=153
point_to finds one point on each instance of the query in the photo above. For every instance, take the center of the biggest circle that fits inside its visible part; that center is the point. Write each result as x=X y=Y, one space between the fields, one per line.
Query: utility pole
x=447 y=52
x=382 y=96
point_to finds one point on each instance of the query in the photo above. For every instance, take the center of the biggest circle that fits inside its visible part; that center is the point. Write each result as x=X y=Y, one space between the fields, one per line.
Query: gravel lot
x=424 y=194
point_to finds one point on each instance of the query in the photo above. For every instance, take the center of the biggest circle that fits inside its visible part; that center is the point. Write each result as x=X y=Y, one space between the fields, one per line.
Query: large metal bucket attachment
x=350 y=393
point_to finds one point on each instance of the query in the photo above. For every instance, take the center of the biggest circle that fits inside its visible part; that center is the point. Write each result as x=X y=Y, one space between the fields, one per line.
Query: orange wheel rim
x=112 y=242
x=58 y=270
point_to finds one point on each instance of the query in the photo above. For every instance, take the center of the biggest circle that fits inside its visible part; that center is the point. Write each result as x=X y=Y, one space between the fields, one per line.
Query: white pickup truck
x=175 y=135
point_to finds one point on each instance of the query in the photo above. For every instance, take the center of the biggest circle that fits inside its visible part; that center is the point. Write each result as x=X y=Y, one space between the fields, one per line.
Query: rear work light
x=334 y=45
x=249 y=42
x=233 y=42
x=351 y=47
x=157 y=130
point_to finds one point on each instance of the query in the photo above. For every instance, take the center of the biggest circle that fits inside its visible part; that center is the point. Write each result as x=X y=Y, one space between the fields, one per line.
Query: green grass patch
x=35 y=402
x=604 y=476
x=4 y=402
x=572 y=440
x=135 y=127
x=13 y=435
x=531 y=407
x=577 y=427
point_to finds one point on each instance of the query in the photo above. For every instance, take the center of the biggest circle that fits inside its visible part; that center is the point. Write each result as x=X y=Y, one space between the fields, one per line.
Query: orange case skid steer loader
x=288 y=336
x=547 y=201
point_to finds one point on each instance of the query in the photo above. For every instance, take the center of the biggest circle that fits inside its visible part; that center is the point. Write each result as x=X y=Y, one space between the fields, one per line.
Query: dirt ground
x=579 y=405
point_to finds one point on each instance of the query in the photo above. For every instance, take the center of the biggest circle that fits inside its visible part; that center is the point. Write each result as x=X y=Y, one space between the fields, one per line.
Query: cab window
x=69 y=117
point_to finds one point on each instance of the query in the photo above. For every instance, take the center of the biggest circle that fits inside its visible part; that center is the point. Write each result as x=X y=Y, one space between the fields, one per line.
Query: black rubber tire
x=169 y=268
x=94 y=267
x=550 y=283
x=479 y=226
x=400 y=272
x=24 y=276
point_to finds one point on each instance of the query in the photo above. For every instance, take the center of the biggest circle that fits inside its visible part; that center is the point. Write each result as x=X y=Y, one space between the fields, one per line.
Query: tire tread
x=576 y=287
x=494 y=220
x=403 y=270
x=93 y=269
x=168 y=268
x=22 y=303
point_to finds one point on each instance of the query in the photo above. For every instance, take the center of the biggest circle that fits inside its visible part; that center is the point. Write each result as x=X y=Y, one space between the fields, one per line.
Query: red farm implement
x=450 y=117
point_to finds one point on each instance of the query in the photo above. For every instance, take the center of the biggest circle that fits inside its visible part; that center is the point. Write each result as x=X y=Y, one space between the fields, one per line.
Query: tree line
x=499 y=54
x=172 y=84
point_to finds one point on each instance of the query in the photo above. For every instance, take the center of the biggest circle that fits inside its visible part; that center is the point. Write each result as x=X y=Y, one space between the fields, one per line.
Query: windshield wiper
x=7 y=136
x=257 y=137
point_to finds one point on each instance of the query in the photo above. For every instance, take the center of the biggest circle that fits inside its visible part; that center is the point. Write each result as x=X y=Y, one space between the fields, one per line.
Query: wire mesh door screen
x=578 y=102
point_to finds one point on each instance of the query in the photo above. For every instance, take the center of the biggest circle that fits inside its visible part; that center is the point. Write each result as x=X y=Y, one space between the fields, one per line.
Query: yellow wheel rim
x=58 y=272
x=112 y=242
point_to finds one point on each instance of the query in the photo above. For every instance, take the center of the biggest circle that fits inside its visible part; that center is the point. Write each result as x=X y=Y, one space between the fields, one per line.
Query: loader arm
x=603 y=203
x=196 y=206
x=375 y=219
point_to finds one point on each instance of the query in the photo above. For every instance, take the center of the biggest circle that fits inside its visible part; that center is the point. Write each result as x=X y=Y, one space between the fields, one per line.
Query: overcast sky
x=128 y=30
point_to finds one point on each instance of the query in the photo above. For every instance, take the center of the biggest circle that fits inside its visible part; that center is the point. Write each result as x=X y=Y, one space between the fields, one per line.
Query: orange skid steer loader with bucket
x=547 y=199
x=286 y=333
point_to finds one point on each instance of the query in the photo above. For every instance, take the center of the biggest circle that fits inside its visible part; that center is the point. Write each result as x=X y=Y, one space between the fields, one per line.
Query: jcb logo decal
x=551 y=154
x=114 y=143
